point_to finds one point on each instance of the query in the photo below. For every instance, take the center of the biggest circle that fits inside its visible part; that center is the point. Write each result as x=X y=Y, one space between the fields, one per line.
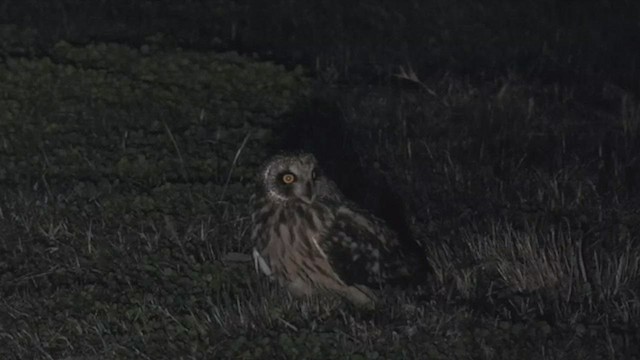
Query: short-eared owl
x=310 y=239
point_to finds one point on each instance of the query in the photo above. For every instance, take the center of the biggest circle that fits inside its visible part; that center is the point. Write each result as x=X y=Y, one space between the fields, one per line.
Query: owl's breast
x=295 y=224
x=290 y=240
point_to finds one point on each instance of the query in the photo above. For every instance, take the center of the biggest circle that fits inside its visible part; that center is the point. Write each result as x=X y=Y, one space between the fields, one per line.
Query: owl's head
x=289 y=177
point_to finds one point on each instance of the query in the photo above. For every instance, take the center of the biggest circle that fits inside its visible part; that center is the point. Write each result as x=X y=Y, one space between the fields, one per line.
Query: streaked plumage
x=310 y=239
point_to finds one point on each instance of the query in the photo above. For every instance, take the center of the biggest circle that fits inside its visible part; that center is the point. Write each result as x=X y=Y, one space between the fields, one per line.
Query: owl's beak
x=308 y=191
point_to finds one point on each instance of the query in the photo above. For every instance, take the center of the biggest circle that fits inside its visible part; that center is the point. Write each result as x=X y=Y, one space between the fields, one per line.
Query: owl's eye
x=288 y=178
x=314 y=175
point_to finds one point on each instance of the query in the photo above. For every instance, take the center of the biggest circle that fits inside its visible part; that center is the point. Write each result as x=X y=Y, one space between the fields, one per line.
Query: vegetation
x=128 y=151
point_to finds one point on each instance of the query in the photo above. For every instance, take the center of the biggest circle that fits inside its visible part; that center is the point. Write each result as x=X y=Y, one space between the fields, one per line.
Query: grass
x=526 y=205
x=127 y=171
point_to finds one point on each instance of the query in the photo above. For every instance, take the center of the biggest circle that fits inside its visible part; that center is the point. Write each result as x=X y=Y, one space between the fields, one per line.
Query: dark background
x=583 y=42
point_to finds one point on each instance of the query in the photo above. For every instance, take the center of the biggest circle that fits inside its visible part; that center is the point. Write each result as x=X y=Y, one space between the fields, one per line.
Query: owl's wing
x=260 y=264
x=328 y=190
x=363 y=250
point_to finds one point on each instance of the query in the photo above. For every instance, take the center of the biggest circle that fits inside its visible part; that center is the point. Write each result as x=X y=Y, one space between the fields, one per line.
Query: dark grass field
x=504 y=140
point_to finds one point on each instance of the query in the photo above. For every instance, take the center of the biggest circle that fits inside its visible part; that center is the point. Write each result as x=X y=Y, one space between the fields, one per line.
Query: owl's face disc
x=291 y=177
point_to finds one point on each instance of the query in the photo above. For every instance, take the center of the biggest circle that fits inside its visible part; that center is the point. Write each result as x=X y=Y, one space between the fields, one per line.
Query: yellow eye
x=288 y=178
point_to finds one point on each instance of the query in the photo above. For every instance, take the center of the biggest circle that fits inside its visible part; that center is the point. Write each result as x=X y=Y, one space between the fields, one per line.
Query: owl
x=311 y=240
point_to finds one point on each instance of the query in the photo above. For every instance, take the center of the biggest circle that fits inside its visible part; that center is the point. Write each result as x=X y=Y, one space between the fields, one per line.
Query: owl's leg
x=300 y=288
x=361 y=296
